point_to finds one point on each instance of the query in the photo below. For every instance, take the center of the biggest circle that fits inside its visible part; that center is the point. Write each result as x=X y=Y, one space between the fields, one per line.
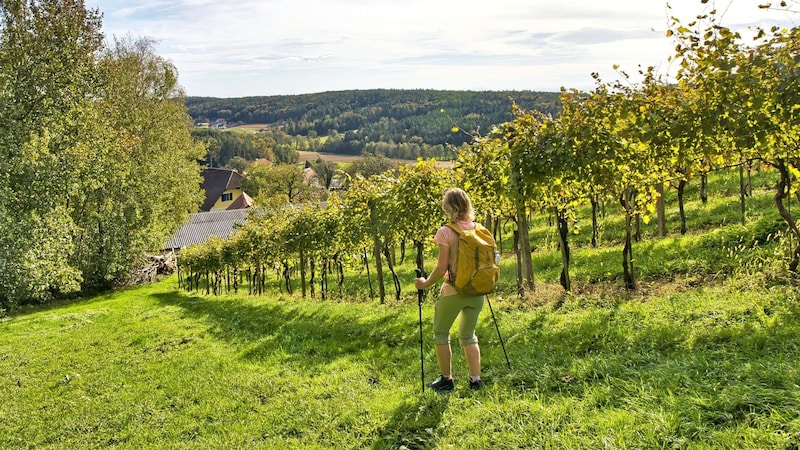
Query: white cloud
x=256 y=47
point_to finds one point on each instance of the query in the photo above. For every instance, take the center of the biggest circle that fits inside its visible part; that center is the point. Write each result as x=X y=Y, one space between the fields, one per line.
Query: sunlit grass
x=712 y=367
x=703 y=355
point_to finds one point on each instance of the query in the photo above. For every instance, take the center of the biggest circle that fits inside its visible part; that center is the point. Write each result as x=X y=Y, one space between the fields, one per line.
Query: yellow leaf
x=793 y=170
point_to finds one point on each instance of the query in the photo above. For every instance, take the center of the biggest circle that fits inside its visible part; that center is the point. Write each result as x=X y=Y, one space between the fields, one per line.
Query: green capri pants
x=445 y=312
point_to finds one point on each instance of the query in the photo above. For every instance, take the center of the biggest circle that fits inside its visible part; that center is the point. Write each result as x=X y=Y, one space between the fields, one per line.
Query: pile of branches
x=153 y=267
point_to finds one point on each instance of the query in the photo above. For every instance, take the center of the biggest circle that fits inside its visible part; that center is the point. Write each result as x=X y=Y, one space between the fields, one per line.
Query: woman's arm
x=438 y=272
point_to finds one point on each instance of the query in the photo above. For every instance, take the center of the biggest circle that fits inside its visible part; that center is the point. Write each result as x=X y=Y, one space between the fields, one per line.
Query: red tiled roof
x=242 y=202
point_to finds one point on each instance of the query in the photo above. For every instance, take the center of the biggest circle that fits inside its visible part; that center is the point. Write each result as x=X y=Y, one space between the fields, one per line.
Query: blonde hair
x=457 y=205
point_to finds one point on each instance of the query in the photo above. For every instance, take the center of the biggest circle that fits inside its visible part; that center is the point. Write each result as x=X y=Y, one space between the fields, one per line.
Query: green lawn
x=153 y=367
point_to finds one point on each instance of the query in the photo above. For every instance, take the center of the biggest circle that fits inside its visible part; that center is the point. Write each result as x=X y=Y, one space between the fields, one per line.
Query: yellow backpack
x=477 y=267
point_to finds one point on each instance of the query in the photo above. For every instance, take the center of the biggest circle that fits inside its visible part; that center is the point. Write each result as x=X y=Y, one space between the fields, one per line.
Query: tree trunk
x=704 y=188
x=312 y=280
x=595 y=229
x=525 y=246
x=180 y=280
x=388 y=254
x=303 y=273
x=628 y=272
x=498 y=235
x=286 y=277
x=563 y=234
x=376 y=254
x=782 y=194
x=661 y=210
x=323 y=279
x=742 y=194
x=369 y=277
x=681 y=210
x=419 y=259
x=340 y=269
x=518 y=255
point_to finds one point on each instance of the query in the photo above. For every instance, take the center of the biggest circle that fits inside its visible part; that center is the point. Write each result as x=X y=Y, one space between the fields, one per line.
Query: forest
x=403 y=124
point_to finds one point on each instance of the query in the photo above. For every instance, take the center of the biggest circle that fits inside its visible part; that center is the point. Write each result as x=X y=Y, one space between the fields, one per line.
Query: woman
x=451 y=304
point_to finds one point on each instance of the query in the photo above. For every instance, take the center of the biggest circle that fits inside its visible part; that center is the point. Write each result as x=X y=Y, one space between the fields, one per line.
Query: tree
x=87 y=132
x=237 y=163
x=368 y=165
x=486 y=171
x=277 y=185
x=145 y=179
x=47 y=74
x=326 y=171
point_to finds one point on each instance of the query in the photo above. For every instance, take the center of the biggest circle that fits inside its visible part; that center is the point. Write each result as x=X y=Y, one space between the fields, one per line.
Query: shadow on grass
x=311 y=334
x=413 y=425
x=720 y=368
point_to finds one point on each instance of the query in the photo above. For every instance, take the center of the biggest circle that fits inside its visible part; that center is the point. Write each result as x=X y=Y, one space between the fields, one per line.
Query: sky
x=285 y=47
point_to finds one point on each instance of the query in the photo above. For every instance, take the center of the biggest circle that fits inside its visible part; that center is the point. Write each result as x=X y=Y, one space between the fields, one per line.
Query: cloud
x=259 y=47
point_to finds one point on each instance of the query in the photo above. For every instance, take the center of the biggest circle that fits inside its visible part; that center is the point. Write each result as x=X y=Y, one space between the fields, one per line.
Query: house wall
x=219 y=205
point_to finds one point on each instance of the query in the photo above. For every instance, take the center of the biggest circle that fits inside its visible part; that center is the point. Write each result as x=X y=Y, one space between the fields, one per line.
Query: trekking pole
x=420 y=295
x=498 y=332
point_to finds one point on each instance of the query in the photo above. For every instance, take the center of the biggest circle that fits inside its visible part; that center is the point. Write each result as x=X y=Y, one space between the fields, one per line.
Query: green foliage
x=97 y=161
x=278 y=185
x=223 y=146
x=402 y=124
x=417 y=206
x=46 y=73
x=369 y=165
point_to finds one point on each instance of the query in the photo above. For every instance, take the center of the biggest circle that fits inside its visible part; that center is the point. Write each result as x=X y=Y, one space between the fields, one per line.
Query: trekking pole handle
x=421 y=292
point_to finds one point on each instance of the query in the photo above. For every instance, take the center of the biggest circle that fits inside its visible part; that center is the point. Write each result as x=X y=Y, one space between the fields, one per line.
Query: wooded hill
x=396 y=123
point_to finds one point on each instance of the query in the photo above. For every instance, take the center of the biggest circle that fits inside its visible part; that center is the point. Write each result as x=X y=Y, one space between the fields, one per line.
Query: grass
x=711 y=367
x=704 y=355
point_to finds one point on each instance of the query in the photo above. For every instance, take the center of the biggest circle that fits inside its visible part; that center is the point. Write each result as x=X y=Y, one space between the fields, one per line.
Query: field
x=703 y=355
x=313 y=156
x=346 y=159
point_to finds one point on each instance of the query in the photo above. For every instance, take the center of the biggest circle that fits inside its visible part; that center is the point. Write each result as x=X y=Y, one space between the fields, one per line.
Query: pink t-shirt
x=445 y=235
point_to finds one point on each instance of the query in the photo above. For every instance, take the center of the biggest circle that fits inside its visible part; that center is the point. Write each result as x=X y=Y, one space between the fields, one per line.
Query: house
x=203 y=225
x=225 y=206
x=223 y=188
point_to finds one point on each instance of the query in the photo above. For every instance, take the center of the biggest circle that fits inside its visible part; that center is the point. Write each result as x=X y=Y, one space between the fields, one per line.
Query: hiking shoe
x=476 y=385
x=442 y=384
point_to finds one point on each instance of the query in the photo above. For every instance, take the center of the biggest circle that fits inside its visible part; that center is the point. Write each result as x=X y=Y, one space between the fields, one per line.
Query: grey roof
x=201 y=226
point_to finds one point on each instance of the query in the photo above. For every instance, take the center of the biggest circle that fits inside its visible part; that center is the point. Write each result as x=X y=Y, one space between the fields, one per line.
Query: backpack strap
x=451 y=275
x=454 y=226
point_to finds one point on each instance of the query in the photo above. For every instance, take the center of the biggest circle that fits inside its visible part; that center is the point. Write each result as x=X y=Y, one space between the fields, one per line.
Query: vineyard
x=619 y=150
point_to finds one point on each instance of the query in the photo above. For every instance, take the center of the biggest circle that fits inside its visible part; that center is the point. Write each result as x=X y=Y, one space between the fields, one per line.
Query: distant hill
x=394 y=122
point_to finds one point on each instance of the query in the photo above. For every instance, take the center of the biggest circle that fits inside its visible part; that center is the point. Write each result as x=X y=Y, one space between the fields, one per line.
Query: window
x=228 y=196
